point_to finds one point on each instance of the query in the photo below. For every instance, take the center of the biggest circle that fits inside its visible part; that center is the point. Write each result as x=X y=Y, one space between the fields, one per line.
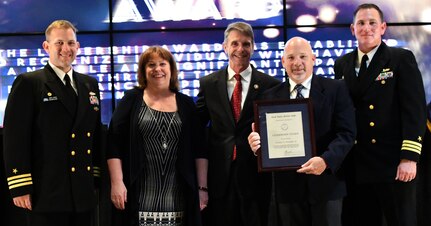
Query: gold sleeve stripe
x=429 y=125
x=410 y=142
x=411 y=149
x=96 y=171
x=413 y=146
x=19 y=176
x=19 y=181
x=20 y=185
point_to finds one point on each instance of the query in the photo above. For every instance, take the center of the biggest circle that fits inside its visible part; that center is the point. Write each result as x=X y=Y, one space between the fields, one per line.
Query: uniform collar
x=61 y=73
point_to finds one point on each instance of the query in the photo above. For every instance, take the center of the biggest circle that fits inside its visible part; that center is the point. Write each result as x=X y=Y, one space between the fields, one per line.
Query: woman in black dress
x=155 y=146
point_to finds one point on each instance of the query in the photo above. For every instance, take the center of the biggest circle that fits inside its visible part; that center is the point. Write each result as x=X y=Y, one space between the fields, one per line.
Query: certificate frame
x=281 y=124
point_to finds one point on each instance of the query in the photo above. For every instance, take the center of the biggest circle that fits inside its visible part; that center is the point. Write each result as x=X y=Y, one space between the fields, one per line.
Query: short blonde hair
x=61 y=24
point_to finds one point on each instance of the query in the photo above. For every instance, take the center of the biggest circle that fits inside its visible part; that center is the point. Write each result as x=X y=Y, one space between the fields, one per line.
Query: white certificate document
x=285 y=134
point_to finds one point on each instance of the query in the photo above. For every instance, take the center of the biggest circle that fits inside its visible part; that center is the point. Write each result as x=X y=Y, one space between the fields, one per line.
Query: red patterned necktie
x=236 y=98
x=236 y=104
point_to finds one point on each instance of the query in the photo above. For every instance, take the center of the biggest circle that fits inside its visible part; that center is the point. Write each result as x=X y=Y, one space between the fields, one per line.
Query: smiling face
x=368 y=29
x=62 y=47
x=239 y=49
x=298 y=59
x=158 y=72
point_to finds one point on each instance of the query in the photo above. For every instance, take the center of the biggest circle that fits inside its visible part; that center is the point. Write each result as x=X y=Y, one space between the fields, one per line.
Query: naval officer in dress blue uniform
x=388 y=93
x=52 y=131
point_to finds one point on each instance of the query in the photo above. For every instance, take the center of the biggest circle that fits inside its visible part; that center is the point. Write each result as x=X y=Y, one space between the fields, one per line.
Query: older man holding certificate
x=311 y=195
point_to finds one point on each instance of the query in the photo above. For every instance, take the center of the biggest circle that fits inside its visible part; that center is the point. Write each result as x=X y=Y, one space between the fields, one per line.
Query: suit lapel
x=220 y=82
x=317 y=96
x=253 y=91
x=283 y=92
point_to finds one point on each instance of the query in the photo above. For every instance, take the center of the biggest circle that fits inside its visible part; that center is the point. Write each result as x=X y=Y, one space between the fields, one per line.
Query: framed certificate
x=286 y=129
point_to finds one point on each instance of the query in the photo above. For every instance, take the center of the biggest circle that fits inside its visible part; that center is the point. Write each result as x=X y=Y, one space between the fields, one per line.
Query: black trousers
x=233 y=209
x=310 y=214
x=393 y=203
x=61 y=218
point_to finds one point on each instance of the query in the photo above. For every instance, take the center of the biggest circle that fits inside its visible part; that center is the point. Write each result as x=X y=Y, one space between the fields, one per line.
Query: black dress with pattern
x=161 y=198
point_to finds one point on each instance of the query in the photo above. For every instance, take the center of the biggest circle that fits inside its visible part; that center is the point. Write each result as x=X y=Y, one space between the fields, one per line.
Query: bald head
x=298 y=59
x=298 y=42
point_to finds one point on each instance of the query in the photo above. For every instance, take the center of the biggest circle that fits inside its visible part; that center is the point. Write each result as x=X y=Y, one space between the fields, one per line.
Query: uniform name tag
x=46 y=99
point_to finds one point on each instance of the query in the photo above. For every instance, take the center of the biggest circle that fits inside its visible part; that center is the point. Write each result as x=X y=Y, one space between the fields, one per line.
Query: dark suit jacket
x=390 y=111
x=125 y=142
x=49 y=152
x=335 y=132
x=214 y=107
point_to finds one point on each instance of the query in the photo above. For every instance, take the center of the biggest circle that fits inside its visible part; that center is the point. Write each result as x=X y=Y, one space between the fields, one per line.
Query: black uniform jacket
x=125 y=143
x=335 y=130
x=50 y=152
x=390 y=111
x=214 y=108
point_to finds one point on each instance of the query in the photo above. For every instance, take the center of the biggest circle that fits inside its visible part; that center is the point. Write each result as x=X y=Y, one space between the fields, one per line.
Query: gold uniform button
x=73 y=135
x=88 y=134
x=373 y=141
x=371 y=124
x=88 y=168
x=371 y=107
x=72 y=153
x=88 y=151
x=383 y=82
x=73 y=169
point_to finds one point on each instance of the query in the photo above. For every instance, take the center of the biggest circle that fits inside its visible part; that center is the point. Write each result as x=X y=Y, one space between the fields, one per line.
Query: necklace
x=164 y=139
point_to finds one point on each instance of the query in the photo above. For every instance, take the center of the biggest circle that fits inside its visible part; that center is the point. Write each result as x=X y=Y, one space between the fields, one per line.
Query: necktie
x=236 y=98
x=236 y=104
x=70 y=94
x=299 y=88
x=363 y=68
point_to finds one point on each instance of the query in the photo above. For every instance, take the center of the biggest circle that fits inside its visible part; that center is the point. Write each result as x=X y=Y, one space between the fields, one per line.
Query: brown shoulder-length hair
x=164 y=54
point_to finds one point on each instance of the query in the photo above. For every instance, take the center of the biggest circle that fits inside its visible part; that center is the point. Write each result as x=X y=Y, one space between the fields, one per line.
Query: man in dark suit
x=238 y=195
x=387 y=90
x=52 y=136
x=313 y=194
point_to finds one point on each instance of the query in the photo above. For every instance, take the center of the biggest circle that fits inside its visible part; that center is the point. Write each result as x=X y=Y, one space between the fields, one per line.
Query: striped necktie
x=299 y=88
